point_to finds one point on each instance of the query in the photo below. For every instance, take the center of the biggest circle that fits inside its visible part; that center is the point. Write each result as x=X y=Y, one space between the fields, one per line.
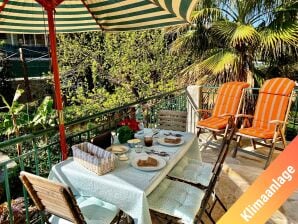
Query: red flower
x=131 y=123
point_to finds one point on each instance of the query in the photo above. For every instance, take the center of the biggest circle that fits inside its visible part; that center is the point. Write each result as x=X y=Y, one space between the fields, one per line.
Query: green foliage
x=80 y=57
x=7 y=127
x=14 y=119
x=124 y=134
x=45 y=115
x=141 y=63
x=103 y=71
x=85 y=104
x=21 y=119
x=243 y=32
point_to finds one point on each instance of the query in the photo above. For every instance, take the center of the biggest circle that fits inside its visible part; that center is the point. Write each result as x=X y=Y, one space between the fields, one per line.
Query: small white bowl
x=133 y=142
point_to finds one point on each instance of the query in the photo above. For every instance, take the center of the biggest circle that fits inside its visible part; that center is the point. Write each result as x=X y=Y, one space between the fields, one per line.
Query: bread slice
x=116 y=148
x=147 y=162
x=172 y=140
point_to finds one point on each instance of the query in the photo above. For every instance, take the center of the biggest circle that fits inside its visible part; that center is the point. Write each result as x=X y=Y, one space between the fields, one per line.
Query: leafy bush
x=124 y=134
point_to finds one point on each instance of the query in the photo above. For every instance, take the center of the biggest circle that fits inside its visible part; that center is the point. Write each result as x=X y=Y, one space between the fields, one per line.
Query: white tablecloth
x=125 y=187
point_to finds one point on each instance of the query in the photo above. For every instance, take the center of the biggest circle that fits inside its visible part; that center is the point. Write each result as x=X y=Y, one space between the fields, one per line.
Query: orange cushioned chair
x=228 y=103
x=271 y=113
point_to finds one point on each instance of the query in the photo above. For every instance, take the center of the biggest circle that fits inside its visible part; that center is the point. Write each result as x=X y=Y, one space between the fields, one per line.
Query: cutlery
x=157 y=153
x=155 y=133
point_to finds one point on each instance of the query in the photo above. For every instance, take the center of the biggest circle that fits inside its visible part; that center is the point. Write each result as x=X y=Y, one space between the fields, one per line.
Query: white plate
x=162 y=142
x=125 y=149
x=160 y=163
x=140 y=132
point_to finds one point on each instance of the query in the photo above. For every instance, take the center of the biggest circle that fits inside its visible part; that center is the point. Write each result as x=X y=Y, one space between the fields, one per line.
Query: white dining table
x=126 y=187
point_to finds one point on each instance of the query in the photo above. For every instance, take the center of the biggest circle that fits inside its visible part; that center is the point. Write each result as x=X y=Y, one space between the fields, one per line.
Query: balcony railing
x=41 y=149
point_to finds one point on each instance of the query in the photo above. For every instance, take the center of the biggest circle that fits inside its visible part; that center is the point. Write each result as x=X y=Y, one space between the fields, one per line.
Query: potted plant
x=124 y=133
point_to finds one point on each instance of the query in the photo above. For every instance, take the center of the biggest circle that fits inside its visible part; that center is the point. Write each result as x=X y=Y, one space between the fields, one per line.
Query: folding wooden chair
x=58 y=199
x=172 y=120
x=269 y=120
x=195 y=172
x=228 y=103
x=183 y=201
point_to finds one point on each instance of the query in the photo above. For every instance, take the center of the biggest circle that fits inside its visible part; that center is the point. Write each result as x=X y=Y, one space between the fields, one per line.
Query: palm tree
x=230 y=36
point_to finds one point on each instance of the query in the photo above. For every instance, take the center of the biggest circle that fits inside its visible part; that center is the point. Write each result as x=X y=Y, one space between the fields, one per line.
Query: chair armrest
x=204 y=110
x=277 y=122
x=227 y=114
x=244 y=116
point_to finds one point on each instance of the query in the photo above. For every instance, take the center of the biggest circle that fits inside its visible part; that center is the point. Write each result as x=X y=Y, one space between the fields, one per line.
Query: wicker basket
x=94 y=158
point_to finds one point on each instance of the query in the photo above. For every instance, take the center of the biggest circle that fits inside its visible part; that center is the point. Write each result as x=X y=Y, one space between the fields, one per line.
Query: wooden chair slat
x=53 y=197
x=53 y=186
x=62 y=203
x=172 y=120
x=58 y=210
x=32 y=193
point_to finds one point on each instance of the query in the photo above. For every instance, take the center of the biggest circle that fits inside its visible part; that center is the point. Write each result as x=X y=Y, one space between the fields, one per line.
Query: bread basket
x=94 y=158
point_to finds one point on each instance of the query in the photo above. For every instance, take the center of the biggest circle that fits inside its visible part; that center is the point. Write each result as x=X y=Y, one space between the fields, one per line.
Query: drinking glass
x=138 y=148
x=148 y=141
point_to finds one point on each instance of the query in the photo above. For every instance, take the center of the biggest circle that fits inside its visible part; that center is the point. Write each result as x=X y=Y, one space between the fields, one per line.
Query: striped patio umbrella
x=71 y=16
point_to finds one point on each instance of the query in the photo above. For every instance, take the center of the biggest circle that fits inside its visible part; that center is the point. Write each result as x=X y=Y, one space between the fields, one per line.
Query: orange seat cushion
x=214 y=123
x=257 y=132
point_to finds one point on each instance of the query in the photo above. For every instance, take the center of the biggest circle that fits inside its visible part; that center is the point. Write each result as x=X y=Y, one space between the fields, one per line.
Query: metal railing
x=42 y=151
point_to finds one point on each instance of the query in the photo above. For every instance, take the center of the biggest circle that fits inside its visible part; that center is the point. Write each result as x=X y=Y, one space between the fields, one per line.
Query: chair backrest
x=229 y=98
x=52 y=197
x=172 y=120
x=103 y=140
x=273 y=102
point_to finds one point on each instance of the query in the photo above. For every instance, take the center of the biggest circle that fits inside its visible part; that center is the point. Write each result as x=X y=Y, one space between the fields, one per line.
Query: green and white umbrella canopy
x=72 y=16
x=28 y=16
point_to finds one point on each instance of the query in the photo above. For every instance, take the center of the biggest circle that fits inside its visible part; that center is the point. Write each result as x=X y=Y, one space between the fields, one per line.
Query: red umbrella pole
x=52 y=36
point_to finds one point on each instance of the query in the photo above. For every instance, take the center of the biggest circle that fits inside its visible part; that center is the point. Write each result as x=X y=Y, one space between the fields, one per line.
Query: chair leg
x=44 y=217
x=253 y=143
x=209 y=211
x=238 y=139
x=210 y=217
x=119 y=217
x=283 y=139
x=221 y=203
x=214 y=135
x=276 y=135
x=270 y=155
x=199 y=132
